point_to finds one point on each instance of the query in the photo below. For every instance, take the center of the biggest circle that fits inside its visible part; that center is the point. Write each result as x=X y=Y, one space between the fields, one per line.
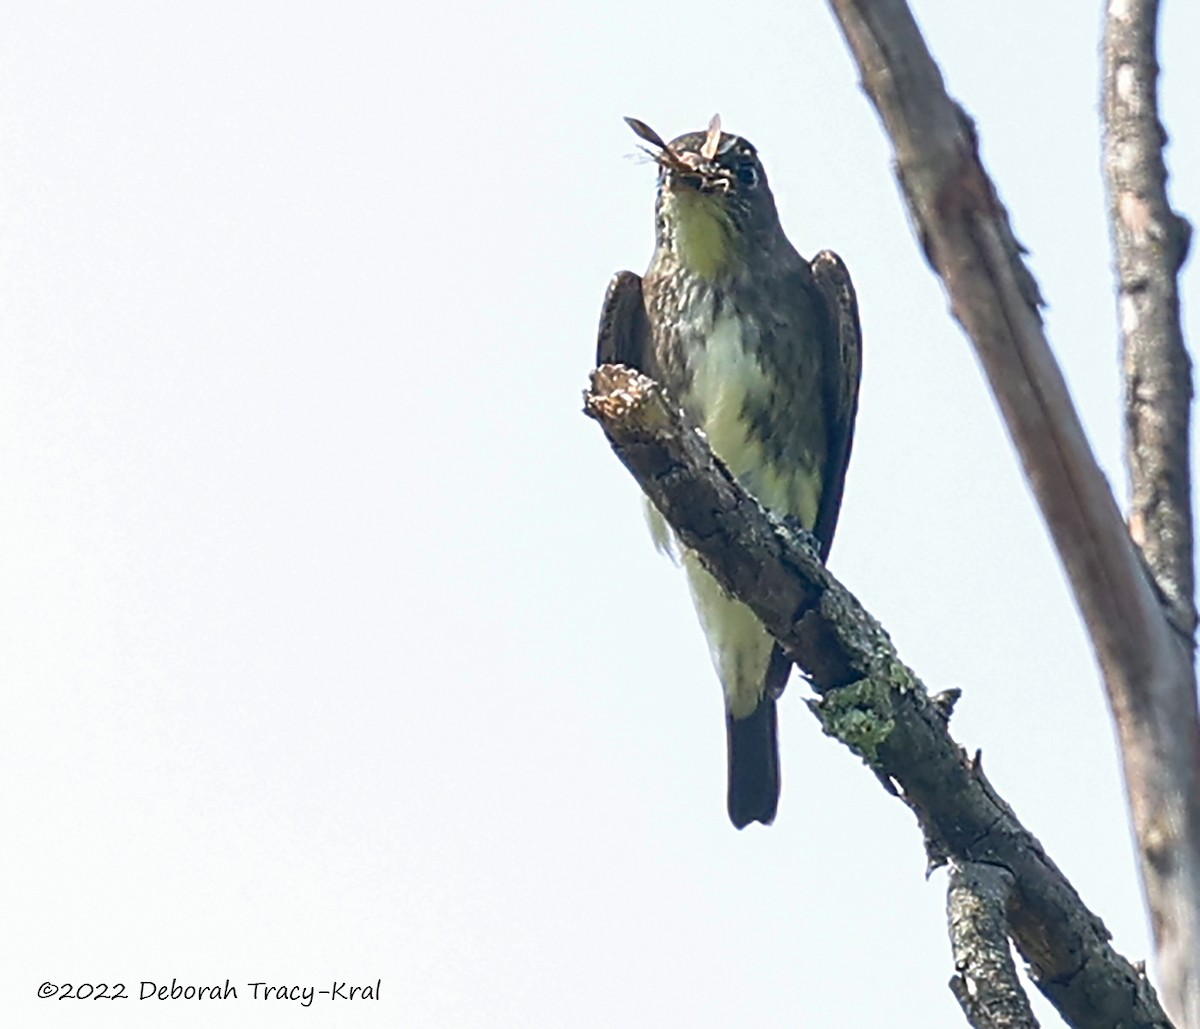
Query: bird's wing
x=624 y=336
x=842 y=368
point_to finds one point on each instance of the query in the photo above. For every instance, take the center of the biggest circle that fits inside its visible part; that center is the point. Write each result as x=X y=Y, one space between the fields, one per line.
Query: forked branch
x=1138 y=611
x=869 y=699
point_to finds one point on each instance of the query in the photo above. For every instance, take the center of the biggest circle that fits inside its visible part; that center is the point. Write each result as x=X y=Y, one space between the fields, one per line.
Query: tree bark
x=1141 y=636
x=1157 y=722
x=985 y=983
x=1150 y=243
x=869 y=699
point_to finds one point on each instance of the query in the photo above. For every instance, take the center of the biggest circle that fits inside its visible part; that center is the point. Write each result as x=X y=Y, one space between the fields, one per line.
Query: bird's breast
x=734 y=397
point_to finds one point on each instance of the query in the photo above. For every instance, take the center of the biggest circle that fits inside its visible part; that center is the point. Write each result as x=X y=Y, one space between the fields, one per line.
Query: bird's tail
x=753 y=744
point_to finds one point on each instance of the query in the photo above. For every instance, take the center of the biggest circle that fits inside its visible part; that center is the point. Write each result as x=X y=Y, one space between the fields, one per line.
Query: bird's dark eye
x=747 y=175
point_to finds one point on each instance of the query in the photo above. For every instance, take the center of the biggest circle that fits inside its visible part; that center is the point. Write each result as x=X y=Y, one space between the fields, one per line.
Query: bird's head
x=713 y=199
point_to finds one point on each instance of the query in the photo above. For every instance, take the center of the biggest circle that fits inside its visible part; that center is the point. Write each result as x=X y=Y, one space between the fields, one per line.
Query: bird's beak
x=691 y=171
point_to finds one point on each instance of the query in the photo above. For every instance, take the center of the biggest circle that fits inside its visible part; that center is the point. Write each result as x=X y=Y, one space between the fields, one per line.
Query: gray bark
x=985 y=983
x=1138 y=610
x=869 y=699
x=1156 y=718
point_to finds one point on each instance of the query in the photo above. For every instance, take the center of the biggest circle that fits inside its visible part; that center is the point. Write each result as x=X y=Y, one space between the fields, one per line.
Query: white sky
x=332 y=642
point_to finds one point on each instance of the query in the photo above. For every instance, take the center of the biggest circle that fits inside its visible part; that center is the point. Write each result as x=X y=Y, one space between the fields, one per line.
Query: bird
x=763 y=351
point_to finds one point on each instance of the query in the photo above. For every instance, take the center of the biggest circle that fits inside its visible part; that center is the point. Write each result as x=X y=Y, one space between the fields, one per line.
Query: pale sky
x=332 y=641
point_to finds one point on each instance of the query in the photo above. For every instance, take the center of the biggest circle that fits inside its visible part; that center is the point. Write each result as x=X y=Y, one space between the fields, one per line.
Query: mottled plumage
x=763 y=350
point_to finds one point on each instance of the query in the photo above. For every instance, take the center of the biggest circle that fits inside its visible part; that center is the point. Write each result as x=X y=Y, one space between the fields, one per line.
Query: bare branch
x=868 y=698
x=1150 y=243
x=1146 y=661
x=985 y=984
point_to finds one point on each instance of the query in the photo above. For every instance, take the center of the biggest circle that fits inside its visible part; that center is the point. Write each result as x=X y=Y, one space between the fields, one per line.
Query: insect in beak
x=698 y=168
x=712 y=139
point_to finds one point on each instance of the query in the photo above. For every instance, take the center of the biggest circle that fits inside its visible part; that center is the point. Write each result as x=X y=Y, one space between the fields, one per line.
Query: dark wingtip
x=753 y=765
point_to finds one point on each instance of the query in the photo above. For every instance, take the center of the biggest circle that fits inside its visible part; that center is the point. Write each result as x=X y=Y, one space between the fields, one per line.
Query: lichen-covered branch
x=1138 y=624
x=1160 y=721
x=985 y=982
x=868 y=698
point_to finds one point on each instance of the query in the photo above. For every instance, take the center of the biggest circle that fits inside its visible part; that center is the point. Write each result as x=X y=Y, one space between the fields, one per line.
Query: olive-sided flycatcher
x=763 y=350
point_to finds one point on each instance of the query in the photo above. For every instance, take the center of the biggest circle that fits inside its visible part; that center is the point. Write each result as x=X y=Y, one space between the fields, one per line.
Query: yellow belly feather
x=723 y=376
